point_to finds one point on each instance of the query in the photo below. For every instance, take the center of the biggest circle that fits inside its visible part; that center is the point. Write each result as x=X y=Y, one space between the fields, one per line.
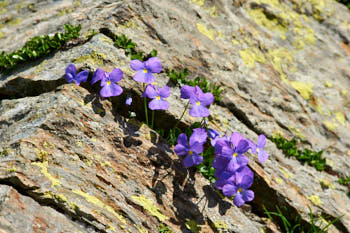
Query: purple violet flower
x=230 y=154
x=237 y=184
x=71 y=76
x=213 y=133
x=192 y=149
x=199 y=102
x=158 y=95
x=145 y=69
x=108 y=82
x=258 y=149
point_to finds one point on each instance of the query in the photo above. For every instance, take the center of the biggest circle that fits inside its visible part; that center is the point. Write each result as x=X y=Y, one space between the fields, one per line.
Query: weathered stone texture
x=284 y=66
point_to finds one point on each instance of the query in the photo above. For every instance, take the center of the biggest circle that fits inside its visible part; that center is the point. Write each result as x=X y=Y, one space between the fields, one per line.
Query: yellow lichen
x=315 y=199
x=14 y=22
x=260 y=18
x=220 y=225
x=41 y=154
x=296 y=131
x=64 y=11
x=331 y=125
x=304 y=89
x=328 y=84
x=43 y=166
x=329 y=162
x=326 y=183
x=279 y=180
x=93 y=58
x=210 y=33
x=286 y=173
x=20 y=5
x=148 y=205
x=344 y=92
x=281 y=59
x=340 y=117
x=3 y=5
x=99 y=203
x=198 y=2
x=12 y=169
x=252 y=55
x=141 y=229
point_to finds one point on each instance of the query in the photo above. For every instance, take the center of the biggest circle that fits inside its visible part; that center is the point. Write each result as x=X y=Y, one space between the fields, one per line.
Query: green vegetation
x=291 y=225
x=162 y=228
x=345 y=2
x=289 y=148
x=181 y=79
x=130 y=49
x=37 y=47
x=345 y=181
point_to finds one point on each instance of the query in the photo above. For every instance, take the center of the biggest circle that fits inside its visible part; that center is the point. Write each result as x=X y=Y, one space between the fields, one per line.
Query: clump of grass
x=291 y=225
x=162 y=228
x=130 y=48
x=290 y=149
x=37 y=47
x=346 y=182
x=181 y=79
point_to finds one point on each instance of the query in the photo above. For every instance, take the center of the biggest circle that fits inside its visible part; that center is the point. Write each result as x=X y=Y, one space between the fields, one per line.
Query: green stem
x=145 y=104
x=152 y=119
x=183 y=113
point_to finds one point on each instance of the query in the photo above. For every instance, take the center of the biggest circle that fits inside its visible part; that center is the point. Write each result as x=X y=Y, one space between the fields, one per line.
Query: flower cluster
x=233 y=176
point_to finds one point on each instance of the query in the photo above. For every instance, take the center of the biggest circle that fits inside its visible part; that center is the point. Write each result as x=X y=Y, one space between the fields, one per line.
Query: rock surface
x=69 y=157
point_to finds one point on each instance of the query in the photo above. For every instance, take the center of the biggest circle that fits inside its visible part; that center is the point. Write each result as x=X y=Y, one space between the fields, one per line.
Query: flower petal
x=150 y=92
x=188 y=161
x=180 y=149
x=261 y=141
x=82 y=77
x=242 y=160
x=116 y=75
x=197 y=159
x=235 y=138
x=137 y=65
x=187 y=91
x=262 y=156
x=153 y=65
x=197 y=147
x=213 y=133
x=71 y=70
x=242 y=147
x=245 y=182
x=164 y=92
x=229 y=190
x=111 y=90
x=206 y=99
x=238 y=201
x=199 y=111
x=248 y=195
x=199 y=135
x=158 y=104
x=69 y=78
x=98 y=75
x=182 y=139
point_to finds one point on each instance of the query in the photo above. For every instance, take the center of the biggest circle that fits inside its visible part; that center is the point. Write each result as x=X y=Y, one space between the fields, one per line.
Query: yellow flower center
x=108 y=82
x=257 y=150
x=235 y=154
x=158 y=98
x=239 y=190
x=198 y=103
x=144 y=70
x=190 y=152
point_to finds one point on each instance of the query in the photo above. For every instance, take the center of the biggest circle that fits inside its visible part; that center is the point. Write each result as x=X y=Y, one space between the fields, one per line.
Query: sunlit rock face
x=73 y=162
